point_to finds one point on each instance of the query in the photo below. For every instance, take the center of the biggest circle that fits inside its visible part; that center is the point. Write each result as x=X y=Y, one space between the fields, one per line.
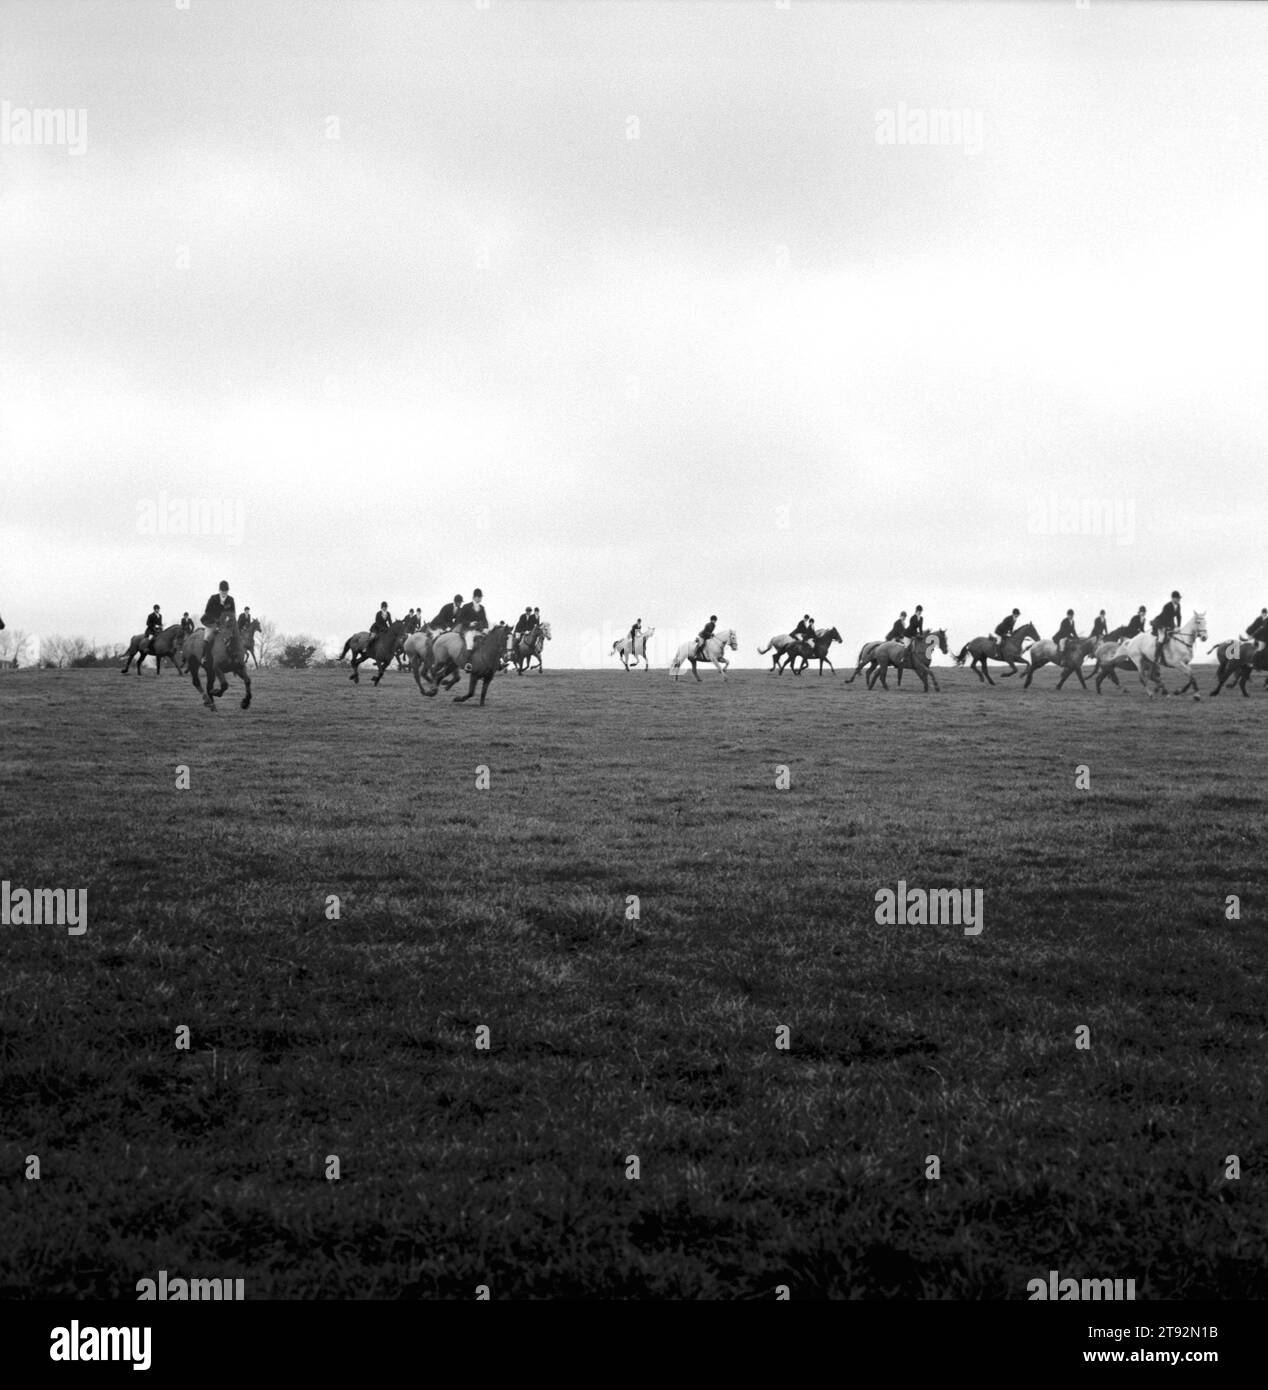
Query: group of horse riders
x=456 y=616
x=1167 y=622
x=154 y=621
x=219 y=605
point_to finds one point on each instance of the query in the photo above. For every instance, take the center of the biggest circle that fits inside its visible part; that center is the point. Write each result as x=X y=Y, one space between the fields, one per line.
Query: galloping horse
x=487 y=658
x=1237 y=661
x=168 y=643
x=1177 y=652
x=226 y=654
x=450 y=656
x=913 y=657
x=529 y=646
x=1070 y=655
x=626 y=649
x=381 y=648
x=713 y=651
x=992 y=648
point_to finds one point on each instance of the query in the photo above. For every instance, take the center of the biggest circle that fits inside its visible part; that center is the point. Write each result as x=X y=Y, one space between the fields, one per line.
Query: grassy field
x=507 y=907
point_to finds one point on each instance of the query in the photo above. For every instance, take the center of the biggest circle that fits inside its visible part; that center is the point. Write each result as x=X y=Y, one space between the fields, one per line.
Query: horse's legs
x=246 y=680
x=1030 y=675
x=484 y=687
x=462 y=699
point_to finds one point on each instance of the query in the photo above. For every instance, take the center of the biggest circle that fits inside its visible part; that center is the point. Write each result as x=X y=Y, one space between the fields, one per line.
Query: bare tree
x=53 y=651
x=75 y=649
x=19 y=645
x=267 y=642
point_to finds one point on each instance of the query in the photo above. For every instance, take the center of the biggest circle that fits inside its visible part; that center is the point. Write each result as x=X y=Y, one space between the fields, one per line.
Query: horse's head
x=941 y=635
x=544 y=629
x=1199 y=626
x=832 y=635
x=730 y=640
x=1027 y=630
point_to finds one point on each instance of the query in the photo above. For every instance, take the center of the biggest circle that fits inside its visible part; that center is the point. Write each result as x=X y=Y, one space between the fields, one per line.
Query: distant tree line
x=21 y=648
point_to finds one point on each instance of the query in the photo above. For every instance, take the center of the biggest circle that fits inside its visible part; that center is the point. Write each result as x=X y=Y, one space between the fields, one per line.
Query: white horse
x=1177 y=652
x=628 y=650
x=713 y=651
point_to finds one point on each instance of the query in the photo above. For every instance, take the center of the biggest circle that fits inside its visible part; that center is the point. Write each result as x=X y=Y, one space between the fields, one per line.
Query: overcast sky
x=633 y=310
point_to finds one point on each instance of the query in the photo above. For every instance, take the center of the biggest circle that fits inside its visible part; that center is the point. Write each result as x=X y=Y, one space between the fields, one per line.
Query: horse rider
x=804 y=631
x=153 y=626
x=1164 y=625
x=411 y=619
x=1004 y=628
x=1258 y=630
x=523 y=624
x=382 y=620
x=187 y=624
x=705 y=633
x=634 y=634
x=1066 y=635
x=1100 y=628
x=219 y=606
x=244 y=620
x=1137 y=624
x=471 y=616
x=915 y=628
x=899 y=630
x=448 y=615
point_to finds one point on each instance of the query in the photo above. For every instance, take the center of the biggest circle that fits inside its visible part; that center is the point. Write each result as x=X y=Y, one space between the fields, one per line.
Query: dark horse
x=811 y=651
x=380 y=649
x=1237 y=662
x=226 y=654
x=993 y=648
x=525 y=648
x=248 y=640
x=487 y=659
x=169 y=643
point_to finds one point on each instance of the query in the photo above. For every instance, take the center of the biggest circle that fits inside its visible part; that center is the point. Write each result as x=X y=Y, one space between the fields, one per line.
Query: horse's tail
x=346 y=645
x=1215 y=648
x=761 y=651
x=959 y=656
